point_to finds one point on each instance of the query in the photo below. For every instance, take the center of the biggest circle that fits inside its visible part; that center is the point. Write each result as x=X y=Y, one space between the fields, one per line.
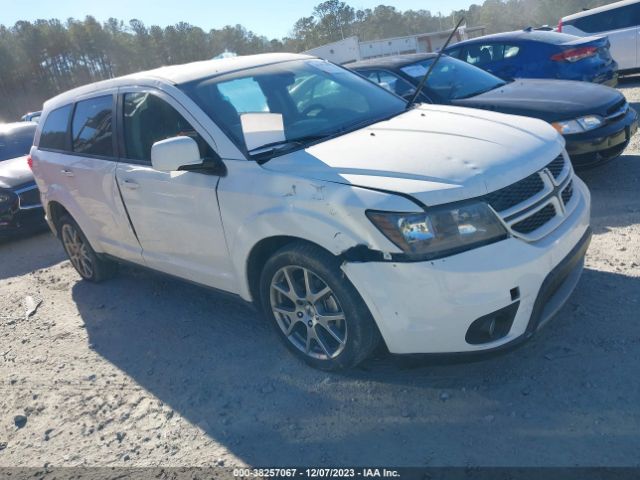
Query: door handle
x=130 y=184
x=66 y=173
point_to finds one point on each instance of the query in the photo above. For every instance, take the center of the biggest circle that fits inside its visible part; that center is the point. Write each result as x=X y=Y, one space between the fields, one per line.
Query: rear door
x=175 y=214
x=76 y=155
x=620 y=24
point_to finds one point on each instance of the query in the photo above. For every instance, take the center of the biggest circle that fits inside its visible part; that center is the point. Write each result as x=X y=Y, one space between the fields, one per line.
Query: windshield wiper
x=273 y=146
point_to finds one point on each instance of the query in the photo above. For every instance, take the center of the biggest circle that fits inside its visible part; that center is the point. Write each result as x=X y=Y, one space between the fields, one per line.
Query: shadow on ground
x=615 y=194
x=216 y=362
x=27 y=252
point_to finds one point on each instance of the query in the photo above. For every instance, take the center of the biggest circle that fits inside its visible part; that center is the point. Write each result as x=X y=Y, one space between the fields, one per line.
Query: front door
x=175 y=215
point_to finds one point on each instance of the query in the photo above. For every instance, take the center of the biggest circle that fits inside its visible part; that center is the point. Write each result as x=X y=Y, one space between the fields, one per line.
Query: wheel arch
x=55 y=211
x=261 y=252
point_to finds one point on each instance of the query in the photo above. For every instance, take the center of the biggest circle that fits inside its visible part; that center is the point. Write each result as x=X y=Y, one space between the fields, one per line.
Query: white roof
x=604 y=8
x=176 y=74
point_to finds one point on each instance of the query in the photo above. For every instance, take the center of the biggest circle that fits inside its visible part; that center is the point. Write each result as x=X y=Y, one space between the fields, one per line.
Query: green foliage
x=46 y=57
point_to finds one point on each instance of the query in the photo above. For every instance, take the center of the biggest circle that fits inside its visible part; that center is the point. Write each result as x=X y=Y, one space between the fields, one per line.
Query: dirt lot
x=144 y=371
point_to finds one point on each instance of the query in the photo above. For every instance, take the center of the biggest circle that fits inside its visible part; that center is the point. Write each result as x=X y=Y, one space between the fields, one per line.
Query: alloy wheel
x=77 y=250
x=308 y=312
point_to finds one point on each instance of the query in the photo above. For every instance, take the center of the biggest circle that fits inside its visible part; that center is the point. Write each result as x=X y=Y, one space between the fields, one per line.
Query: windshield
x=453 y=79
x=316 y=99
x=16 y=144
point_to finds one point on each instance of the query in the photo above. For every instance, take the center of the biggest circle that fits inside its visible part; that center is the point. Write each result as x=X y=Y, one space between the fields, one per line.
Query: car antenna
x=433 y=64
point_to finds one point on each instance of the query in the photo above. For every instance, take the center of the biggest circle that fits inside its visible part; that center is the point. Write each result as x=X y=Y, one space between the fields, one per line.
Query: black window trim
x=129 y=89
x=111 y=158
x=69 y=134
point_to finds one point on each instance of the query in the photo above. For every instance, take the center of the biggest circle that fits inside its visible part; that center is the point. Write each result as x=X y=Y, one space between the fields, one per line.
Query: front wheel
x=87 y=263
x=317 y=312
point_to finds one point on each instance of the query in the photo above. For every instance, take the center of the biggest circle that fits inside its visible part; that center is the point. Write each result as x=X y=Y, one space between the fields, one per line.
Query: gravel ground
x=145 y=370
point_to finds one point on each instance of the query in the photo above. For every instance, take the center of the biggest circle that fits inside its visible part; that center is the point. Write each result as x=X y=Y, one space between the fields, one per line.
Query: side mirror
x=173 y=153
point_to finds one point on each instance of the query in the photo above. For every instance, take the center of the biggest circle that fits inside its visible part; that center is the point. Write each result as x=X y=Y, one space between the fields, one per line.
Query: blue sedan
x=540 y=54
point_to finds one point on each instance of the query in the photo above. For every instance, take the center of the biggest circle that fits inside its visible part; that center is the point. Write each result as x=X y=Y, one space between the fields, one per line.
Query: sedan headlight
x=5 y=198
x=579 y=125
x=440 y=231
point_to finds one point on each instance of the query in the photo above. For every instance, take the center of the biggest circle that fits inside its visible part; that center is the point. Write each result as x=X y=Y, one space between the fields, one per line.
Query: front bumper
x=22 y=221
x=428 y=307
x=602 y=143
x=16 y=218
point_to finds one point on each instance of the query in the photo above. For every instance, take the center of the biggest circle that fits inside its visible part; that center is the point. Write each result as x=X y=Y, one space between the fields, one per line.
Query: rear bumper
x=608 y=141
x=428 y=307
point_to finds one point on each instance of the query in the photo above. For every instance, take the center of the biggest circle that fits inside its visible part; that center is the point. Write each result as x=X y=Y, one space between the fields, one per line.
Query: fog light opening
x=492 y=327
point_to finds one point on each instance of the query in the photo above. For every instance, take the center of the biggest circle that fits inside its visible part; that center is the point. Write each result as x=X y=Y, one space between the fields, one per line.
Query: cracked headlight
x=579 y=125
x=440 y=231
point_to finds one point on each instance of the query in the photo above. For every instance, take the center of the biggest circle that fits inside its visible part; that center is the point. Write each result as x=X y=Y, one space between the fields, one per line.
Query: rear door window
x=54 y=130
x=486 y=54
x=91 y=128
x=149 y=119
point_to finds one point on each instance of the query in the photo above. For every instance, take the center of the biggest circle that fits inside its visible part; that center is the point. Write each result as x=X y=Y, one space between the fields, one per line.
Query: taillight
x=560 y=25
x=30 y=162
x=574 y=54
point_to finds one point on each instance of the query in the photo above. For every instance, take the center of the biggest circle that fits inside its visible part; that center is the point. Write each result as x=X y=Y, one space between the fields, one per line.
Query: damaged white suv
x=300 y=186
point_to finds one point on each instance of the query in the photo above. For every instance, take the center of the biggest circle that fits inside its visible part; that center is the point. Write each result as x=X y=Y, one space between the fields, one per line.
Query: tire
x=315 y=309
x=89 y=265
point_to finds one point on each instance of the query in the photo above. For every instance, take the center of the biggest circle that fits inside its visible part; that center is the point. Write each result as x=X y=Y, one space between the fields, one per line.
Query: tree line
x=43 y=58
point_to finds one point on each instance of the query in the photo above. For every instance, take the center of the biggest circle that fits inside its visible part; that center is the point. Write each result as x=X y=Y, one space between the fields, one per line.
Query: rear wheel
x=317 y=312
x=84 y=259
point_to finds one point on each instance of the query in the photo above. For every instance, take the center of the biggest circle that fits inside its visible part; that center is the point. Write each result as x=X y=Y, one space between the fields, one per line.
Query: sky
x=272 y=18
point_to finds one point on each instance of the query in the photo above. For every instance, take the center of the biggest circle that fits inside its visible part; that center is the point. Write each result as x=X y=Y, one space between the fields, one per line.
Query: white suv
x=620 y=21
x=317 y=195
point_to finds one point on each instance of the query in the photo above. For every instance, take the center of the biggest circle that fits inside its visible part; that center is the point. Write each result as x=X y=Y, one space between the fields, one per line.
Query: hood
x=15 y=172
x=437 y=154
x=548 y=100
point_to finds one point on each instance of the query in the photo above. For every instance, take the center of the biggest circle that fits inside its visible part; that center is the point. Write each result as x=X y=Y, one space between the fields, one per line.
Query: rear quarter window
x=615 y=19
x=54 y=130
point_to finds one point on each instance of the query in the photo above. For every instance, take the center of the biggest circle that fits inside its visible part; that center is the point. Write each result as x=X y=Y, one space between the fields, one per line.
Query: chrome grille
x=556 y=166
x=536 y=220
x=535 y=206
x=567 y=193
x=508 y=197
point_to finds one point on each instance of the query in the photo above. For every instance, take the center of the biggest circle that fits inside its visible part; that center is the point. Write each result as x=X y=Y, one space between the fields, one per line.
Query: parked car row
x=596 y=121
x=593 y=45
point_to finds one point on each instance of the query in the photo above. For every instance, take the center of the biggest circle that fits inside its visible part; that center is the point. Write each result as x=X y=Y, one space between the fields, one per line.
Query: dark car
x=32 y=117
x=20 y=207
x=540 y=54
x=596 y=121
